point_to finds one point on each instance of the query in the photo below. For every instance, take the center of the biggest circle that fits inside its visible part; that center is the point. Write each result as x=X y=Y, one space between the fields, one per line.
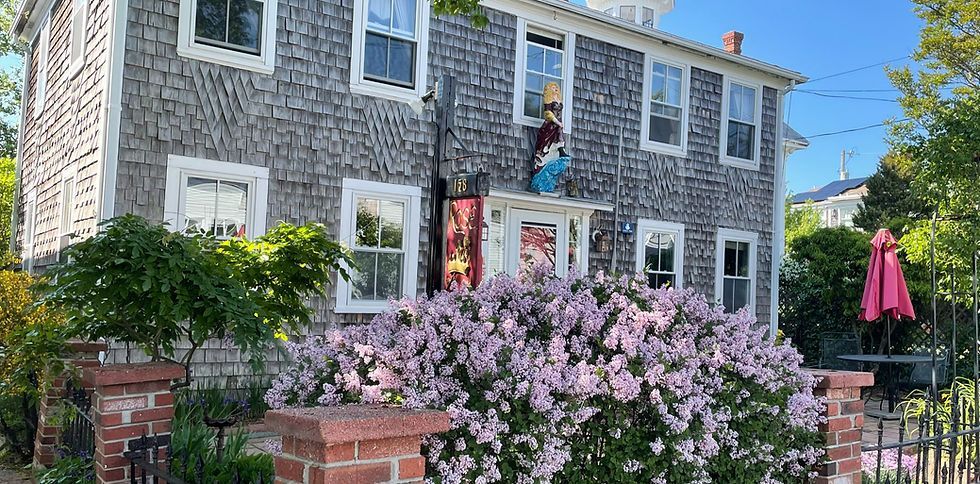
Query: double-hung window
x=79 y=26
x=736 y=269
x=389 y=51
x=380 y=224
x=237 y=33
x=41 y=70
x=543 y=57
x=216 y=198
x=664 y=125
x=660 y=253
x=742 y=122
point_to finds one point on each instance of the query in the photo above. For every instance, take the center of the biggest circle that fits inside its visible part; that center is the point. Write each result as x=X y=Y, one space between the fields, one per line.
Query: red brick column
x=845 y=419
x=129 y=401
x=81 y=354
x=355 y=444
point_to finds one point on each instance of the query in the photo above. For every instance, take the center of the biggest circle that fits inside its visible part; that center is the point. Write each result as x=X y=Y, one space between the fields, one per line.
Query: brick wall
x=842 y=430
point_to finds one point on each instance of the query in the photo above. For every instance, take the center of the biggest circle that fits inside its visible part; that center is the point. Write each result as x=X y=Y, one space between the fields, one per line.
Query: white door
x=537 y=237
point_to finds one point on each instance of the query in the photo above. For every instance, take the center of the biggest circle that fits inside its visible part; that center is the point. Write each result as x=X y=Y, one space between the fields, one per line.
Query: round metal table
x=889 y=360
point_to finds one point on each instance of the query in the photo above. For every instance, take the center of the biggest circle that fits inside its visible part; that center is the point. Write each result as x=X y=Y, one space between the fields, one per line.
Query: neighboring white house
x=837 y=201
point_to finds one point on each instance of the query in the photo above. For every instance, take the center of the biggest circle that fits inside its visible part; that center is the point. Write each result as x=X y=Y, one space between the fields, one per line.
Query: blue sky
x=817 y=39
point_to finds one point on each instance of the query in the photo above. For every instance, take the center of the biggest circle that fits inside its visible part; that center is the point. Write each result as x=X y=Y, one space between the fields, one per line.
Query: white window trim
x=180 y=167
x=360 y=85
x=665 y=148
x=568 y=76
x=30 y=233
x=68 y=178
x=646 y=225
x=752 y=164
x=752 y=238
x=41 y=76
x=412 y=197
x=187 y=46
x=79 y=63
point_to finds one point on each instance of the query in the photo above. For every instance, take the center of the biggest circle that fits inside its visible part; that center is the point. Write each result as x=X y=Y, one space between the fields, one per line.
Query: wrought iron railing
x=78 y=432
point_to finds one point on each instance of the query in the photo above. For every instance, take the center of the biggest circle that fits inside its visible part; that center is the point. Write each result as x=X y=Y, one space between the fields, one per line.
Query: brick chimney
x=733 y=42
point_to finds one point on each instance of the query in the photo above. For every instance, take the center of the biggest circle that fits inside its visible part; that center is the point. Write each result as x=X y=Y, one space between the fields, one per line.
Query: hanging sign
x=464 y=258
x=468 y=185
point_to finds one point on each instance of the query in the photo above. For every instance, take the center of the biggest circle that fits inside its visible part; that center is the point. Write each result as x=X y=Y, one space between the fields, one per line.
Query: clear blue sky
x=817 y=39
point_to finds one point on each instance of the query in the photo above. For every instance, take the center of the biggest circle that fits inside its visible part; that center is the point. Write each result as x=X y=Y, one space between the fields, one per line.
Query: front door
x=535 y=238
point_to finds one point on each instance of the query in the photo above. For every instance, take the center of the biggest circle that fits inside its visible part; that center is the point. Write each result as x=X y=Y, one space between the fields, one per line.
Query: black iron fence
x=152 y=460
x=78 y=432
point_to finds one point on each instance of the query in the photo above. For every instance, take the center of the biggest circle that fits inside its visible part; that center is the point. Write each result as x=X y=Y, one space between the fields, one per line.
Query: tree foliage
x=11 y=81
x=7 y=186
x=800 y=221
x=890 y=202
x=141 y=283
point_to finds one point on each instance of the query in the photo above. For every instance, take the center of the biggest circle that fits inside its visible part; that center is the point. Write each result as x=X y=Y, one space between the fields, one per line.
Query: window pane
x=199 y=205
x=245 y=23
x=494 y=260
x=534 y=83
x=232 y=205
x=404 y=18
x=660 y=280
x=628 y=12
x=664 y=130
x=538 y=245
x=532 y=104
x=648 y=17
x=574 y=234
x=731 y=256
x=379 y=15
x=667 y=252
x=740 y=297
x=211 y=19
x=376 y=55
x=741 y=140
x=658 y=86
x=674 y=89
x=553 y=63
x=545 y=40
x=392 y=224
x=735 y=102
x=389 y=276
x=728 y=295
x=535 y=58
x=366 y=231
x=748 y=105
x=363 y=278
x=743 y=259
x=401 y=61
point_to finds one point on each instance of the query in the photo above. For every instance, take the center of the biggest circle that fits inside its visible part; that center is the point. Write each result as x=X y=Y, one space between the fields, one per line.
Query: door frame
x=517 y=217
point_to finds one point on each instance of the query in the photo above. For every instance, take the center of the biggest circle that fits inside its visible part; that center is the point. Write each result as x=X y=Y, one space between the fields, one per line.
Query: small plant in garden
x=142 y=283
x=68 y=469
x=887 y=471
x=575 y=380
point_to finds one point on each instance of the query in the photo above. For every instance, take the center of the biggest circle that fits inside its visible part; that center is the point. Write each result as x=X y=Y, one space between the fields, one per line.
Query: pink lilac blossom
x=521 y=365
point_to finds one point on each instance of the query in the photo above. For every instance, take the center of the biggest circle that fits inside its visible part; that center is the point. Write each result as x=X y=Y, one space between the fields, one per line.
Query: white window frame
x=520 y=71
x=645 y=226
x=41 y=75
x=516 y=219
x=732 y=235
x=361 y=85
x=752 y=164
x=67 y=216
x=412 y=198
x=187 y=45
x=79 y=20
x=179 y=168
x=665 y=148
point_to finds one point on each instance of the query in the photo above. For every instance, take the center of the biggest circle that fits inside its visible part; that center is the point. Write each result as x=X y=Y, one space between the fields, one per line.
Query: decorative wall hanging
x=464 y=243
x=550 y=157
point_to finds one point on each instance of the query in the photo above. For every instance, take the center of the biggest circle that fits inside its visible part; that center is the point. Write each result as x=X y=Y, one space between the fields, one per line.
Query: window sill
x=76 y=68
x=385 y=91
x=536 y=123
x=226 y=57
x=740 y=163
x=663 y=149
x=360 y=309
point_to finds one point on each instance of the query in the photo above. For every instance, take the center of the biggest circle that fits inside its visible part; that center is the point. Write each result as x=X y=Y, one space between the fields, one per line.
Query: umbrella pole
x=889 y=329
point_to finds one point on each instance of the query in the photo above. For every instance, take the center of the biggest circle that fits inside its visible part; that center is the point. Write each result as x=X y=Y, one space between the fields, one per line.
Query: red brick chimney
x=733 y=42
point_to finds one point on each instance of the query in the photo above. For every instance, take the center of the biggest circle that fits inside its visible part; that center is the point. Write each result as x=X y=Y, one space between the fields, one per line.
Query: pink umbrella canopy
x=885 y=292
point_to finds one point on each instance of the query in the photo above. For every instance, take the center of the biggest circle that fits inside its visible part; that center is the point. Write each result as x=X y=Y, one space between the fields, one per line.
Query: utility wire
x=858 y=69
x=832 y=133
x=841 y=96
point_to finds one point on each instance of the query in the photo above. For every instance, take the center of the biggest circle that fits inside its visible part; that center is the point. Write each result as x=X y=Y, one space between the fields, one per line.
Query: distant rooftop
x=831 y=189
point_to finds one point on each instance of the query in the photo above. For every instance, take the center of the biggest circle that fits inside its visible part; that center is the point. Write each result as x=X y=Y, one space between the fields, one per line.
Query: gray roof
x=831 y=189
x=794 y=135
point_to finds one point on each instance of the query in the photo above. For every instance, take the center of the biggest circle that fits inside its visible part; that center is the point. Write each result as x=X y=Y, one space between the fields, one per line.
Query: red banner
x=464 y=242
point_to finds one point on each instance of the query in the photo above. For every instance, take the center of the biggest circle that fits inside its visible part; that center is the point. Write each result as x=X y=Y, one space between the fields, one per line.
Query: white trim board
x=113 y=110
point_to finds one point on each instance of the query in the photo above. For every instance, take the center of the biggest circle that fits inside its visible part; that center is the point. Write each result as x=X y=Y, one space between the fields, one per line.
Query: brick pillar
x=129 y=401
x=81 y=354
x=355 y=444
x=845 y=420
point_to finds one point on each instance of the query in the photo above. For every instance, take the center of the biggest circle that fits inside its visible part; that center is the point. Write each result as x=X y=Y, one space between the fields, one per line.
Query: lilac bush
x=575 y=379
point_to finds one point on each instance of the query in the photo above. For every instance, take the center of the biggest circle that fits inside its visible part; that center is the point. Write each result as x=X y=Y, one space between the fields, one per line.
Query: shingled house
x=231 y=115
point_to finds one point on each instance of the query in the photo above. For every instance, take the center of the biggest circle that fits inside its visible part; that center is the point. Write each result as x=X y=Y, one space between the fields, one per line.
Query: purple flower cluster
x=889 y=462
x=523 y=365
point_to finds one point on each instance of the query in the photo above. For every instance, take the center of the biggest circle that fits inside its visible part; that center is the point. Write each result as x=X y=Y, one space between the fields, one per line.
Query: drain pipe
x=619 y=179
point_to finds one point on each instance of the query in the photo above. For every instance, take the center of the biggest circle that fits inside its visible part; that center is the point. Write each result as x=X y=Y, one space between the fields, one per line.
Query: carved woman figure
x=550 y=158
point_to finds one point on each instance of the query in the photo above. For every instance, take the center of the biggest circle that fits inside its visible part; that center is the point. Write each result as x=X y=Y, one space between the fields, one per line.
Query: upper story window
x=736 y=269
x=660 y=253
x=41 y=70
x=216 y=198
x=664 y=125
x=380 y=223
x=741 y=128
x=79 y=27
x=237 y=33
x=543 y=57
x=388 y=58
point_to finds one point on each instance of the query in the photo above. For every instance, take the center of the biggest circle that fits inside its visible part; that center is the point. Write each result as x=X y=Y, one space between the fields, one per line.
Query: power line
x=840 y=96
x=859 y=69
x=820 y=135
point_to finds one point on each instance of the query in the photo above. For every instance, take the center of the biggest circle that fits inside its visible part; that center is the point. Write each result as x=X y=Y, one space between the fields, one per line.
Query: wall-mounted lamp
x=603 y=243
x=485 y=233
x=418 y=105
x=571 y=188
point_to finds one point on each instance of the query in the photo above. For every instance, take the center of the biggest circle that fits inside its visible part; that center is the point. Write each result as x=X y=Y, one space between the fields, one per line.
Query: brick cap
x=132 y=373
x=81 y=346
x=350 y=423
x=842 y=379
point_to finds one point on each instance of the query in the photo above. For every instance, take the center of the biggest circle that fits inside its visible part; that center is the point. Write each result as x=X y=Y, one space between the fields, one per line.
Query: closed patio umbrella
x=885 y=292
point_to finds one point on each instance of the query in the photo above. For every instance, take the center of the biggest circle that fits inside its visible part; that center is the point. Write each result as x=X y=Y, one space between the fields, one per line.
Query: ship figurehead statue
x=550 y=157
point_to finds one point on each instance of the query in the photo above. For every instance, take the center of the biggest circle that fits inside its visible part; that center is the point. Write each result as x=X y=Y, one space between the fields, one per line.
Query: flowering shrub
x=575 y=380
x=888 y=469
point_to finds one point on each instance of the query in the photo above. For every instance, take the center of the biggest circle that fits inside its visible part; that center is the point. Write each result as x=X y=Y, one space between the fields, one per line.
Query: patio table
x=891 y=388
